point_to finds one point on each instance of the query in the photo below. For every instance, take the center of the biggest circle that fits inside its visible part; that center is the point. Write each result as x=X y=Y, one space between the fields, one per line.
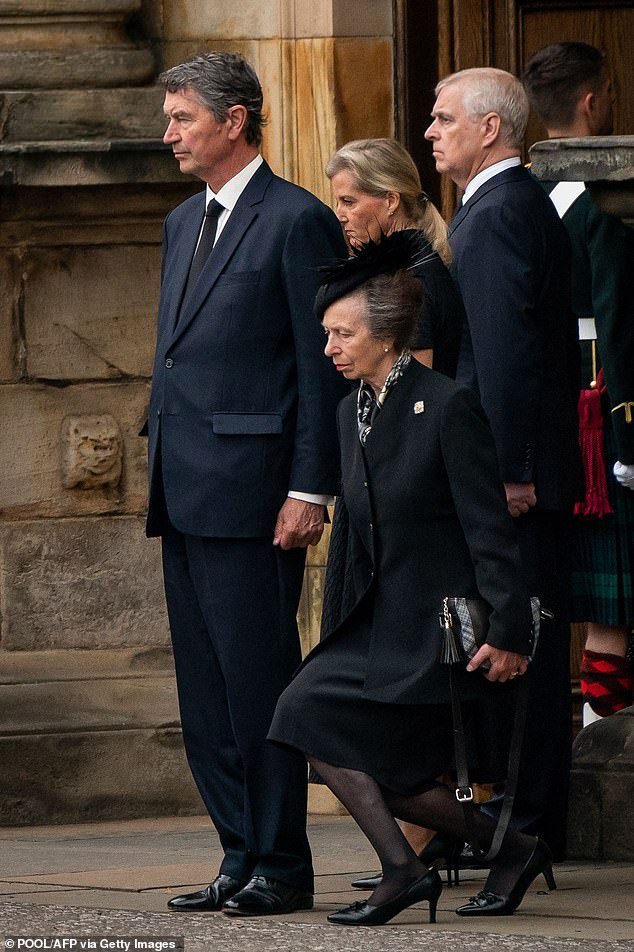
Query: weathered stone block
x=602 y=790
x=58 y=707
x=31 y=419
x=193 y=19
x=584 y=815
x=90 y=313
x=87 y=162
x=82 y=114
x=101 y=775
x=92 y=452
x=588 y=159
x=77 y=583
x=63 y=68
x=260 y=19
x=8 y=321
x=617 y=828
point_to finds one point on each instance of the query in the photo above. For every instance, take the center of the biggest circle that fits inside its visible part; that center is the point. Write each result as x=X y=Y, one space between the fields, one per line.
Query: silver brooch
x=419 y=406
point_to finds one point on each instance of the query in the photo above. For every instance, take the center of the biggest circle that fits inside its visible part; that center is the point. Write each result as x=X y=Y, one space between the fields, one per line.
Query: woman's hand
x=504 y=664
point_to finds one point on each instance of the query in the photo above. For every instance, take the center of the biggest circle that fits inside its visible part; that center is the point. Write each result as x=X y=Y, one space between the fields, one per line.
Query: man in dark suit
x=570 y=88
x=242 y=458
x=519 y=352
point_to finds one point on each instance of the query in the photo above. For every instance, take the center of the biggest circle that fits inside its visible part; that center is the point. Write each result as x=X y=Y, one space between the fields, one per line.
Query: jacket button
x=169 y=363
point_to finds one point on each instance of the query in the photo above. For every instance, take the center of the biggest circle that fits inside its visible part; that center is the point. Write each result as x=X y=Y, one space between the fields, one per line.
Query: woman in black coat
x=422 y=516
x=377 y=190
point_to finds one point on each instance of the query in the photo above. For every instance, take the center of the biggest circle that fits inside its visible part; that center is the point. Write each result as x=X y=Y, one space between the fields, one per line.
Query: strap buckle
x=464 y=794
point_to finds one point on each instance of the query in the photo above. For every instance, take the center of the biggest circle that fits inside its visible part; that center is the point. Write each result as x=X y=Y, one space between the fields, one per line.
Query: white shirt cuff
x=316 y=498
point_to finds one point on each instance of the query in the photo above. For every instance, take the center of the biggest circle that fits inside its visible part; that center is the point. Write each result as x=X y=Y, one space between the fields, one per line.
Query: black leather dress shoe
x=210 y=899
x=266 y=897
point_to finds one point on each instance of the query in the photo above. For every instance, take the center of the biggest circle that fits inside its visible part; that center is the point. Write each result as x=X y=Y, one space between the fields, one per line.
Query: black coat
x=423 y=515
x=520 y=350
x=442 y=315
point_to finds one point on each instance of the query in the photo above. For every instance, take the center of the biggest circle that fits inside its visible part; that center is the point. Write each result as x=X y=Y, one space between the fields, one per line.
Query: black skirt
x=405 y=747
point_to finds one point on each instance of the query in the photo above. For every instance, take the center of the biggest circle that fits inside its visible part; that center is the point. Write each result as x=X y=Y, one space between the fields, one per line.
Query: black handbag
x=465 y=623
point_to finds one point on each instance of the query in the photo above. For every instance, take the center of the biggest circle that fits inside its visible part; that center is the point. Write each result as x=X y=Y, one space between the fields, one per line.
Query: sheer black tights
x=374 y=809
x=439 y=809
x=363 y=798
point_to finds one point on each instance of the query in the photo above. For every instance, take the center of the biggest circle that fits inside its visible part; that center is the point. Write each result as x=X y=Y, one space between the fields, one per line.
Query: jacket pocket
x=246 y=424
x=238 y=277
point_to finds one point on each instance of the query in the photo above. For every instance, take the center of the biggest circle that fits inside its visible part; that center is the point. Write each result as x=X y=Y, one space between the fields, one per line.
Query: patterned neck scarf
x=368 y=405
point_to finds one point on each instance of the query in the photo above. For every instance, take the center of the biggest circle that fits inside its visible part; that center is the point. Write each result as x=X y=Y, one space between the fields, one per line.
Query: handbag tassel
x=450 y=652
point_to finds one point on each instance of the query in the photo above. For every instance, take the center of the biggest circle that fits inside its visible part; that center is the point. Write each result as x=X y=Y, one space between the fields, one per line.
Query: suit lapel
x=459 y=217
x=179 y=268
x=508 y=175
x=243 y=214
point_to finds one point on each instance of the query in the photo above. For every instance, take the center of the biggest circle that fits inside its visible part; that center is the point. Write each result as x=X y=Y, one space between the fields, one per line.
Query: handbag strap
x=464 y=791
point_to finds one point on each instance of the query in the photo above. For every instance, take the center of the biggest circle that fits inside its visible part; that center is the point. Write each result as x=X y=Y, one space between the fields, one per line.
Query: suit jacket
x=243 y=399
x=602 y=287
x=520 y=348
x=423 y=515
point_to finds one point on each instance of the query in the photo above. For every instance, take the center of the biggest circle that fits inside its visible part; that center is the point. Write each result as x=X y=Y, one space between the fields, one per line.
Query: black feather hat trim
x=399 y=251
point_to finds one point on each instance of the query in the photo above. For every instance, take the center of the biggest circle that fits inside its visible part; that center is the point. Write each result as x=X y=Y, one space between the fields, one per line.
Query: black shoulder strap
x=464 y=791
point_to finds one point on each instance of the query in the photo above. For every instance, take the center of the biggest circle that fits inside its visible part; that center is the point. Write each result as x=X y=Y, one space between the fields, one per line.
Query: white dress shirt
x=228 y=197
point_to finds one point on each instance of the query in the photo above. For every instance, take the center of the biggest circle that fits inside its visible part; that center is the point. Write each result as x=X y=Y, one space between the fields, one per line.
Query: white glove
x=624 y=473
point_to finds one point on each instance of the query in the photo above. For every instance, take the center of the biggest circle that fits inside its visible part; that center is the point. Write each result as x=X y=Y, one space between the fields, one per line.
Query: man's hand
x=520 y=497
x=504 y=664
x=624 y=473
x=298 y=524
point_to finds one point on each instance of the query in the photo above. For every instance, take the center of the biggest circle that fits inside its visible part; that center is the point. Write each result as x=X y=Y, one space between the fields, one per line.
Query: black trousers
x=232 y=607
x=541 y=801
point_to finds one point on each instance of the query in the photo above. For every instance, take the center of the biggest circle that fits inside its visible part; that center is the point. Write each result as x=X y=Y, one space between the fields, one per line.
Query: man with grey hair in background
x=243 y=457
x=520 y=353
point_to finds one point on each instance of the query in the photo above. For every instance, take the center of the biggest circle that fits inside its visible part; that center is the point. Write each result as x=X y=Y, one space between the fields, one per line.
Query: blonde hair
x=383 y=165
x=486 y=89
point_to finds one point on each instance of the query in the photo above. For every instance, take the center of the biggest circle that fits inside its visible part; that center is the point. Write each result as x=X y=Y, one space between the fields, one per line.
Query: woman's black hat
x=400 y=251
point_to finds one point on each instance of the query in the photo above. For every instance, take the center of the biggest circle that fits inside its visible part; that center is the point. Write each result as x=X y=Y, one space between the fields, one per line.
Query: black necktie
x=206 y=243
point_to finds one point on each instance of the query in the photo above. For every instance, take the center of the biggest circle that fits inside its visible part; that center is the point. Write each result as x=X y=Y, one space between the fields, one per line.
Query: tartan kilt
x=603 y=555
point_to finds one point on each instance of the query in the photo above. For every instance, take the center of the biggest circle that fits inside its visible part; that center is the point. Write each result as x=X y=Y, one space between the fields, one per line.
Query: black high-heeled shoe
x=442 y=849
x=427 y=887
x=491 y=904
x=447 y=850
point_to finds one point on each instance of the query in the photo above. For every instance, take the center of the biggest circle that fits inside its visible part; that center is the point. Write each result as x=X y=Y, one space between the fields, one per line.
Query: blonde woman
x=377 y=190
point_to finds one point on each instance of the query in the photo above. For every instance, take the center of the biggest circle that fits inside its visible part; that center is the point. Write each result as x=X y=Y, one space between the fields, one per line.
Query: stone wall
x=88 y=716
x=326 y=67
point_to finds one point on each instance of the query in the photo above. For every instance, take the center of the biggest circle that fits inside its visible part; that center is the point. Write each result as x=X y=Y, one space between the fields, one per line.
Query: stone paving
x=111 y=881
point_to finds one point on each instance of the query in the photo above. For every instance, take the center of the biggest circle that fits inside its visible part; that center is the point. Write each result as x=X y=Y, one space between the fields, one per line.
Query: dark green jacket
x=603 y=288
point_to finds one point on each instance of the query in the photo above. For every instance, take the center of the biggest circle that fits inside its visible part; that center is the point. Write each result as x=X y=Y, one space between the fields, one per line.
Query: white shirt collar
x=478 y=180
x=231 y=191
